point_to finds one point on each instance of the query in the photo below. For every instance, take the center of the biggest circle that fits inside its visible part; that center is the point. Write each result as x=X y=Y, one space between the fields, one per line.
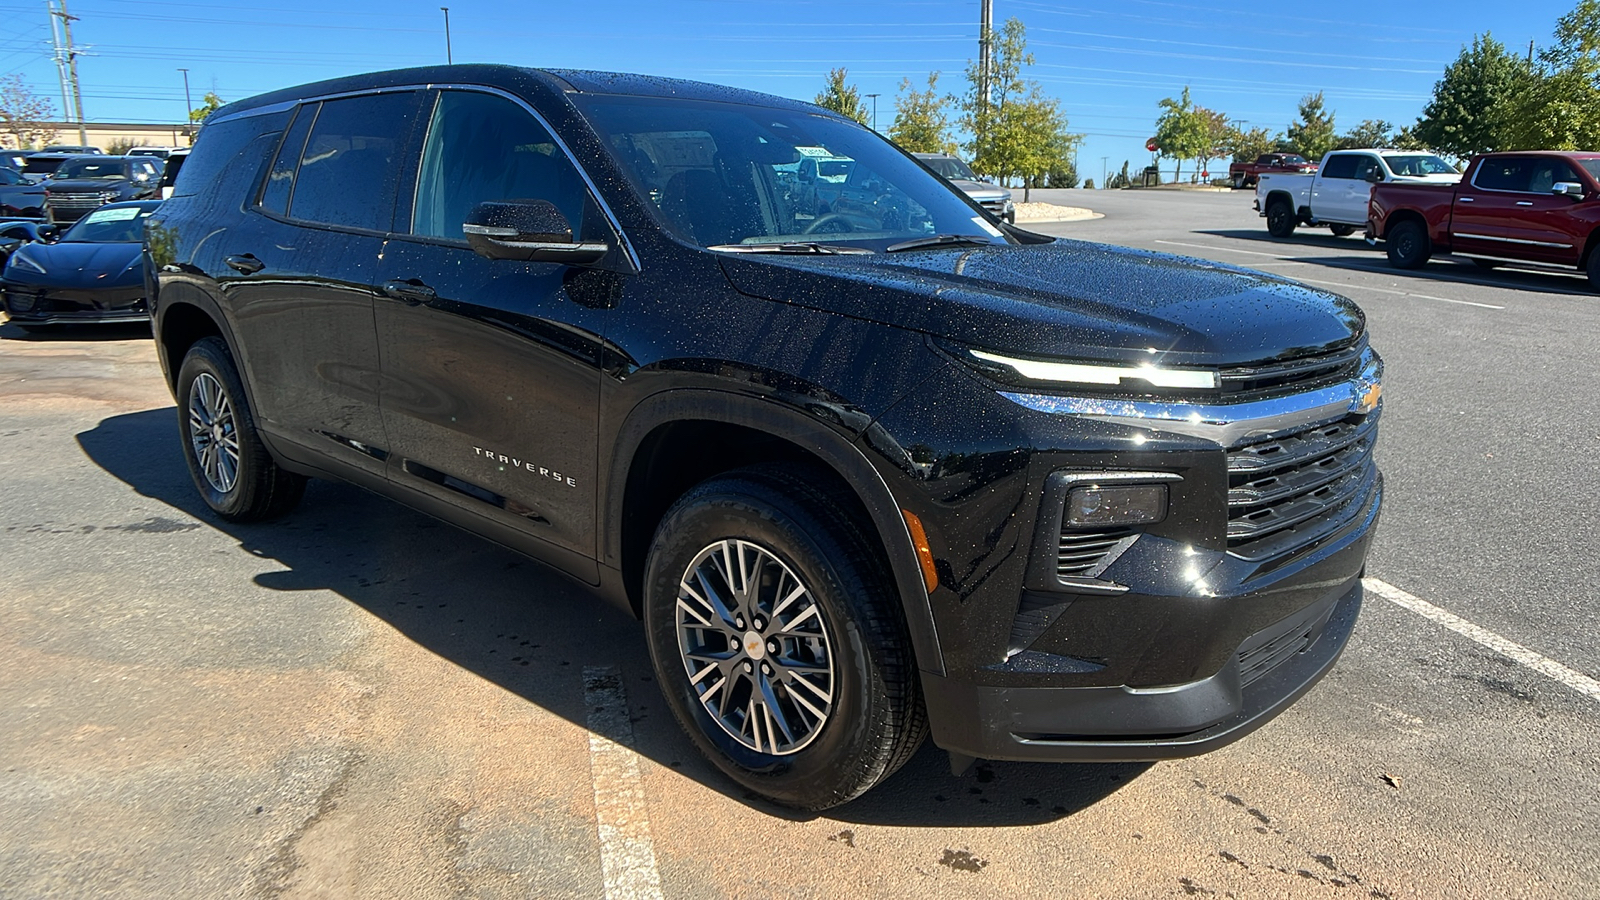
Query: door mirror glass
x=1375 y=175
x=532 y=230
x=1567 y=189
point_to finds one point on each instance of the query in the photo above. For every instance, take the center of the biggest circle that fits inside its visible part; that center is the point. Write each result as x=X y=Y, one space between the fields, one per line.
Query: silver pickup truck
x=1337 y=194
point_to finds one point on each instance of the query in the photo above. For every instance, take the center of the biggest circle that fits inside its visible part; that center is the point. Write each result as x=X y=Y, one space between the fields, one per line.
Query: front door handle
x=245 y=263
x=1524 y=202
x=410 y=291
x=1464 y=199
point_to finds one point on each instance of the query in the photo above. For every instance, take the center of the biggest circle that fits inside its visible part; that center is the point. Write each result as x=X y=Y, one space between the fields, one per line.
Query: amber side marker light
x=919 y=540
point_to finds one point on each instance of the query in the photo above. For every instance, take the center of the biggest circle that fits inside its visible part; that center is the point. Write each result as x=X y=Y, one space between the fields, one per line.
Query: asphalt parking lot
x=360 y=701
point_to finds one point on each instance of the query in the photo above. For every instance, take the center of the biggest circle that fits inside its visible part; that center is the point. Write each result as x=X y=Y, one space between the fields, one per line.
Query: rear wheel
x=778 y=641
x=1238 y=182
x=1408 y=245
x=1342 y=230
x=231 y=468
x=1280 y=218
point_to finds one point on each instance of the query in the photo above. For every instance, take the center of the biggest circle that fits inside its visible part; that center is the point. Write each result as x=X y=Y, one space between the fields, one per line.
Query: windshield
x=110 y=225
x=1419 y=165
x=91 y=168
x=1592 y=165
x=719 y=174
x=1292 y=159
x=949 y=167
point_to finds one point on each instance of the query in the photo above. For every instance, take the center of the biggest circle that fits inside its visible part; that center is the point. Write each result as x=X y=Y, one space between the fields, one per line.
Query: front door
x=1509 y=211
x=492 y=367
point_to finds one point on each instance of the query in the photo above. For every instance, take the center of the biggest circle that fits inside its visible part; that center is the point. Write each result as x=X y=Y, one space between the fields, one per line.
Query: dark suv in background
x=85 y=183
x=863 y=473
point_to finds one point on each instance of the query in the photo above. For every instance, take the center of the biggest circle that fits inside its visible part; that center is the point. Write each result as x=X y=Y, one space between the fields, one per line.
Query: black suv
x=85 y=183
x=863 y=473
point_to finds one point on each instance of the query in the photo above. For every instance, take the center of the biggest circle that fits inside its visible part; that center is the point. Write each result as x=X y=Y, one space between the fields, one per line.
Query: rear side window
x=346 y=175
x=1340 y=166
x=481 y=147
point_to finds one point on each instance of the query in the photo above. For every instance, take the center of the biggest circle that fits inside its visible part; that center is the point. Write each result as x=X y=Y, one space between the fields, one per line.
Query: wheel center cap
x=754 y=647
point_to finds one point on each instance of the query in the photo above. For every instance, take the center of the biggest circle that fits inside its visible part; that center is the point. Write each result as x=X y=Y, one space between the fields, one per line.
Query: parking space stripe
x=1338 y=284
x=1545 y=666
x=627 y=851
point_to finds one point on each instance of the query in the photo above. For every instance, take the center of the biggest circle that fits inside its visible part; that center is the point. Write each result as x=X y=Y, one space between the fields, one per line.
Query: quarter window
x=483 y=148
x=280 y=178
x=346 y=174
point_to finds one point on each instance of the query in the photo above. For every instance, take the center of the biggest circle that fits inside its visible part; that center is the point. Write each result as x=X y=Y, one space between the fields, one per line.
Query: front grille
x=1274 y=379
x=995 y=206
x=1258 y=661
x=76 y=201
x=1288 y=491
x=1081 y=552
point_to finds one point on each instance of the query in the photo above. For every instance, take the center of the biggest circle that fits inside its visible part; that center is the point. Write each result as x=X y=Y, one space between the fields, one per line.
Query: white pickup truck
x=1337 y=195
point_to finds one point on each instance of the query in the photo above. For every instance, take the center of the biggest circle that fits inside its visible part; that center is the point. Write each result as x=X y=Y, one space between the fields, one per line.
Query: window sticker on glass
x=121 y=214
x=983 y=223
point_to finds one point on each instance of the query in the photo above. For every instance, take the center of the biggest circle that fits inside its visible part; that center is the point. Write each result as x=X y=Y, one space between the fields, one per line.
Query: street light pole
x=449 y=57
x=874 y=111
x=188 y=122
x=1103 y=171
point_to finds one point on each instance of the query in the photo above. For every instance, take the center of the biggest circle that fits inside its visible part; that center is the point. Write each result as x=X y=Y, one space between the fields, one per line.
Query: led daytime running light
x=1079 y=373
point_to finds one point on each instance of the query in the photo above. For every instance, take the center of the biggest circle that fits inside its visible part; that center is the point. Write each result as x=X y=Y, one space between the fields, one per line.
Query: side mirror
x=1567 y=189
x=1375 y=176
x=531 y=230
x=48 y=233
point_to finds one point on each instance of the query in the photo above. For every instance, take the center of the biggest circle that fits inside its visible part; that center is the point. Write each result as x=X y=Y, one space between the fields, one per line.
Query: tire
x=1592 y=267
x=854 y=715
x=231 y=468
x=1238 y=182
x=1280 y=218
x=1487 y=263
x=1407 y=245
x=1342 y=230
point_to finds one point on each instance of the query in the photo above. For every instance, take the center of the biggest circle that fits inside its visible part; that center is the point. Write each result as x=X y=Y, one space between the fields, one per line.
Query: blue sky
x=1109 y=61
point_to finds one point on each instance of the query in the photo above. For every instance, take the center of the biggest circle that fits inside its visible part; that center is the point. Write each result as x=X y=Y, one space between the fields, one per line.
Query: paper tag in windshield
x=983 y=223
x=121 y=214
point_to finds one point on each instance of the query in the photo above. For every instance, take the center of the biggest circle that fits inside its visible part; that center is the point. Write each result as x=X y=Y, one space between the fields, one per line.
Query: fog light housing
x=1098 y=506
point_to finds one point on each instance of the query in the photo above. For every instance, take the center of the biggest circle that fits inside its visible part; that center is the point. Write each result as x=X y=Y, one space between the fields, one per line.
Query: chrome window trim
x=1229 y=425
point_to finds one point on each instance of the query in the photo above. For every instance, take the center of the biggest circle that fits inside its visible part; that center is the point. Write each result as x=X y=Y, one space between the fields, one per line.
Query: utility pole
x=60 y=58
x=188 y=121
x=449 y=57
x=1103 y=171
x=985 y=51
x=72 y=65
x=874 y=111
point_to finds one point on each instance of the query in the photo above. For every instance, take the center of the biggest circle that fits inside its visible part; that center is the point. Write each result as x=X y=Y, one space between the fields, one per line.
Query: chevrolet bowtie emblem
x=1367 y=400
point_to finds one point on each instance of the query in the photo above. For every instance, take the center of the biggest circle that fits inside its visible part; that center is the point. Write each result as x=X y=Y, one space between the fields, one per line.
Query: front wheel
x=1238 y=182
x=1593 y=269
x=1342 y=230
x=1280 y=218
x=231 y=468
x=1407 y=245
x=778 y=641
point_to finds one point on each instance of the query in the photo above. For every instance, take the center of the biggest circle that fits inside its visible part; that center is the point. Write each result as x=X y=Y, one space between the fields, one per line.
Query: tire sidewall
x=1405 y=248
x=816 y=774
x=1280 y=219
x=209 y=357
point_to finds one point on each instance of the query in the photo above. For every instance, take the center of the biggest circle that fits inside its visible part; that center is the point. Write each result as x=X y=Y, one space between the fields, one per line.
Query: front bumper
x=33 y=305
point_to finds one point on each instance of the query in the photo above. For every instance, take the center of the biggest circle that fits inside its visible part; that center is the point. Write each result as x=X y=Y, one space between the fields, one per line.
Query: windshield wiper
x=936 y=240
x=802 y=247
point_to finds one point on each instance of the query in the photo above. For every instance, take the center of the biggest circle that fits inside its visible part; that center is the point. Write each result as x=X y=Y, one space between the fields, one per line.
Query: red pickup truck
x=1530 y=206
x=1245 y=174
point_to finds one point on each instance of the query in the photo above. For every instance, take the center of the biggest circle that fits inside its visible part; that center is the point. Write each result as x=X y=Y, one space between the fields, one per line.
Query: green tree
x=23 y=114
x=1557 y=103
x=1247 y=145
x=1119 y=180
x=1312 y=134
x=1017 y=130
x=1406 y=139
x=921 y=119
x=1472 y=107
x=1181 y=131
x=1214 y=130
x=842 y=98
x=1088 y=184
x=209 y=104
x=1370 y=133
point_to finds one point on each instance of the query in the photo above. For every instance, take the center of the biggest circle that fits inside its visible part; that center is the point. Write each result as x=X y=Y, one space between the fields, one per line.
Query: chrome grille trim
x=1081 y=553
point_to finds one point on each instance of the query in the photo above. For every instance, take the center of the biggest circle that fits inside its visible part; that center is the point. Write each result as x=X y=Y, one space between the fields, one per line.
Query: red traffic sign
x=1151 y=145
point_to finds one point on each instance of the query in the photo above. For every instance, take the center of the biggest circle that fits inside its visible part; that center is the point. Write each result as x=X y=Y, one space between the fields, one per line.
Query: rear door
x=492 y=367
x=1508 y=211
x=304 y=271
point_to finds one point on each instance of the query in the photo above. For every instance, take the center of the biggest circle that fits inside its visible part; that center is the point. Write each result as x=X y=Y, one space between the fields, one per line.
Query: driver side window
x=481 y=148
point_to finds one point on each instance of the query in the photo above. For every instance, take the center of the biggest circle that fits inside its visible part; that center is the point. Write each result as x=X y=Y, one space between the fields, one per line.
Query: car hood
x=980 y=188
x=1066 y=299
x=78 y=265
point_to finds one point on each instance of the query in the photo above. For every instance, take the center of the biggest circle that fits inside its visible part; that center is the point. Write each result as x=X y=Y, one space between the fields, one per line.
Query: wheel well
x=1404 y=215
x=1280 y=197
x=181 y=325
x=1594 y=239
x=678 y=455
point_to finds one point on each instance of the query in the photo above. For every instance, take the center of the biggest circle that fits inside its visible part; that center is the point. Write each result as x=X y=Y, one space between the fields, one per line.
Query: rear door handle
x=1464 y=199
x=1524 y=202
x=410 y=291
x=245 y=263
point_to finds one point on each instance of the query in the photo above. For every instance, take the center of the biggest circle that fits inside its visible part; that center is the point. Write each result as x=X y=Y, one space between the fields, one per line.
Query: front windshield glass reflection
x=726 y=174
x=1420 y=165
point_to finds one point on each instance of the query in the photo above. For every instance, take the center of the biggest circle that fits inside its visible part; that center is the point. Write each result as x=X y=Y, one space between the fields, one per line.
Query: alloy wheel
x=213 y=433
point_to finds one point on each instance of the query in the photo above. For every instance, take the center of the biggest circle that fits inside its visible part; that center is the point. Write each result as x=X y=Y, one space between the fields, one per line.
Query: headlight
x=23 y=261
x=1009 y=206
x=1101 y=374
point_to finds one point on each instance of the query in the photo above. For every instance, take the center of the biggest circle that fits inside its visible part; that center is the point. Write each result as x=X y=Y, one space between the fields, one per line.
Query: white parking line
x=1545 y=666
x=627 y=851
x=1338 y=284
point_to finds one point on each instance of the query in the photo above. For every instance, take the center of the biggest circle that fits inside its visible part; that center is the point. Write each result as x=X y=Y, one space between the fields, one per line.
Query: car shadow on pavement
x=126 y=331
x=531 y=631
x=1443 y=269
